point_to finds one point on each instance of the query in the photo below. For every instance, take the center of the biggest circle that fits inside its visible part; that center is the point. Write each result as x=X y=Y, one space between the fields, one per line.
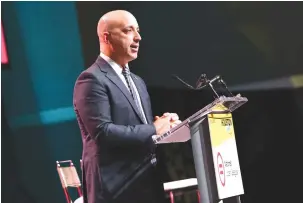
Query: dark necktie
x=126 y=74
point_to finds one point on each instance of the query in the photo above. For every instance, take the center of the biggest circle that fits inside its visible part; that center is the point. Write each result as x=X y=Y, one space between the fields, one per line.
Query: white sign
x=225 y=156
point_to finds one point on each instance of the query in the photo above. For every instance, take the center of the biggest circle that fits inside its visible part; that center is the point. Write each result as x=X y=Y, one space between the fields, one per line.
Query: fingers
x=166 y=114
x=162 y=124
x=175 y=123
x=174 y=117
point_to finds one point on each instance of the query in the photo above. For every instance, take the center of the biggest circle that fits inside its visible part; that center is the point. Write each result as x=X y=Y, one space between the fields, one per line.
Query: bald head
x=113 y=19
x=119 y=37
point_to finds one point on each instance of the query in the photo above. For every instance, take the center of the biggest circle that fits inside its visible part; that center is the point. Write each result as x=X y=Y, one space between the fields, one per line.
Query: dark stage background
x=248 y=43
x=190 y=38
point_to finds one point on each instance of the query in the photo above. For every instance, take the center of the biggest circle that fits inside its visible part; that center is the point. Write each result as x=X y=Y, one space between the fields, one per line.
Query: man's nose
x=137 y=37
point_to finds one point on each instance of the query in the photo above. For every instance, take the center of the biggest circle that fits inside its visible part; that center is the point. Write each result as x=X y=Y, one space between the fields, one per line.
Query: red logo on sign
x=221 y=169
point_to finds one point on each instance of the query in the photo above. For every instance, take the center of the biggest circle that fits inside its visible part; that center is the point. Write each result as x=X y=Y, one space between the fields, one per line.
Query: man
x=114 y=114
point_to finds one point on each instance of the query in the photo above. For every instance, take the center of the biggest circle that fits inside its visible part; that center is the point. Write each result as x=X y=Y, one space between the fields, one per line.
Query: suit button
x=153 y=160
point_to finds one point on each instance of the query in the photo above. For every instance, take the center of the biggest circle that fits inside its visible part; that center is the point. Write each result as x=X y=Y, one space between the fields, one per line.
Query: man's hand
x=162 y=124
x=174 y=119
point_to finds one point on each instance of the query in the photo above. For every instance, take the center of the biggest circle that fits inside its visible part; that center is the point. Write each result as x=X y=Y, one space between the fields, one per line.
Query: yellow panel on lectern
x=220 y=128
x=219 y=107
x=297 y=80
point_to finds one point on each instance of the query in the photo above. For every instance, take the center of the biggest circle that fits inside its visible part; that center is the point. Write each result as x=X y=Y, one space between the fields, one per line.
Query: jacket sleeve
x=92 y=103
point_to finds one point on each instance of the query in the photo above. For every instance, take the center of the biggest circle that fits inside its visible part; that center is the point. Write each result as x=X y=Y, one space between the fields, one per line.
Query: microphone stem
x=224 y=84
x=183 y=82
x=211 y=86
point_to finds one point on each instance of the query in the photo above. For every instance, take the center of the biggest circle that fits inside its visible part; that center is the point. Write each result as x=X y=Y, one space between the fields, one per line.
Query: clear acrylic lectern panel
x=181 y=133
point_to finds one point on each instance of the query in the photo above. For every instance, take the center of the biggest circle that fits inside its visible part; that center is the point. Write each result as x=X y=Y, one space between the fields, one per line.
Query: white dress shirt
x=118 y=69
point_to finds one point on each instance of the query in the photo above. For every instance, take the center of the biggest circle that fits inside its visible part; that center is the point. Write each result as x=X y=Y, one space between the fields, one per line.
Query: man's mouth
x=134 y=47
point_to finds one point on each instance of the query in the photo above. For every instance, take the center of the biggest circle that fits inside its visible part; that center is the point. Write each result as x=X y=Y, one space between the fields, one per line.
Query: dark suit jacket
x=117 y=146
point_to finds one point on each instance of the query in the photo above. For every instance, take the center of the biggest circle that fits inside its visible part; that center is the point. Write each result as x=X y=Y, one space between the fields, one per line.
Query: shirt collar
x=117 y=68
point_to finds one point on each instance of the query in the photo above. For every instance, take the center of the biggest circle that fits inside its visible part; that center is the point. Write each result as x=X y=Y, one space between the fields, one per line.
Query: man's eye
x=127 y=30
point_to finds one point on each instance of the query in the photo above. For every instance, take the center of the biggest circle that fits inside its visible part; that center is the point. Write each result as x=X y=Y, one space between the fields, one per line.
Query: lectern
x=211 y=131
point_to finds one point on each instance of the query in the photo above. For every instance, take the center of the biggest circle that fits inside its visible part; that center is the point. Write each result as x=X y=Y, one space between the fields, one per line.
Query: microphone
x=215 y=78
x=201 y=83
x=204 y=82
x=209 y=82
x=183 y=82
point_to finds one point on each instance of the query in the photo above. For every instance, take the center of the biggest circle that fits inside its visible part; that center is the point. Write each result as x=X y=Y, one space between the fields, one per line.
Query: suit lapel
x=142 y=92
x=112 y=76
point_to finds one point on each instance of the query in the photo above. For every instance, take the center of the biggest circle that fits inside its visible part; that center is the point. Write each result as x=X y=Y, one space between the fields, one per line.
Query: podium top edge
x=235 y=98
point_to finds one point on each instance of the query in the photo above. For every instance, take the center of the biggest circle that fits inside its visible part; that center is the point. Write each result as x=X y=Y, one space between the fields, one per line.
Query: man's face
x=124 y=38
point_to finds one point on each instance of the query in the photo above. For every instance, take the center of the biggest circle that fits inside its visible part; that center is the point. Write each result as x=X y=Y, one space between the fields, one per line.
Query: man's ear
x=106 y=37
